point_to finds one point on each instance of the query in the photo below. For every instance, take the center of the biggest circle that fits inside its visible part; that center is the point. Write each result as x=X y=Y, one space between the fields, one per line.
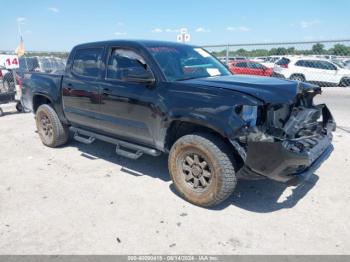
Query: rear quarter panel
x=43 y=84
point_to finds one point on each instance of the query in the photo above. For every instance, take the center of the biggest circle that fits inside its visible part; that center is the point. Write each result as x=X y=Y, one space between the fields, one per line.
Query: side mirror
x=140 y=76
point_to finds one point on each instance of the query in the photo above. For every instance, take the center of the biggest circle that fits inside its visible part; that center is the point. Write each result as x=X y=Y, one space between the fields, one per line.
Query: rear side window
x=300 y=63
x=255 y=66
x=283 y=61
x=87 y=62
x=310 y=64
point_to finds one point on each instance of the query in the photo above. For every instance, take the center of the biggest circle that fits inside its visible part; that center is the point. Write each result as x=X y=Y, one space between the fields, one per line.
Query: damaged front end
x=285 y=142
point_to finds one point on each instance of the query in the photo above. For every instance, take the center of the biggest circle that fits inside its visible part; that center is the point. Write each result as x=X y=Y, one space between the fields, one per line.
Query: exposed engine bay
x=286 y=140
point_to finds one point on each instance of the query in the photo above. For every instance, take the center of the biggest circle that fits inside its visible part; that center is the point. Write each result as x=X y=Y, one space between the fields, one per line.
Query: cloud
x=54 y=9
x=238 y=28
x=157 y=30
x=21 y=20
x=307 y=24
x=119 y=33
x=169 y=30
x=166 y=30
x=202 y=30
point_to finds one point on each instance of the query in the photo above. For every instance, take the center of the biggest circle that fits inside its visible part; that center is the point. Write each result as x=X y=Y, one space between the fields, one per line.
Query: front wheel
x=51 y=131
x=201 y=169
x=344 y=82
x=299 y=78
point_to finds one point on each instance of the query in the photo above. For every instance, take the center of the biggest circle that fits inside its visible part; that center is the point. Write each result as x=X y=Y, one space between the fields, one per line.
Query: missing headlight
x=249 y=114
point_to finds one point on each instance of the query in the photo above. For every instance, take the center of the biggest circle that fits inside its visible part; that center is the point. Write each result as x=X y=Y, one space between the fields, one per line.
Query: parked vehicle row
x=10 y=90
x=247 y=67
x=321 y=71
x=315 y=70
x=33 y=64
x=231 y=59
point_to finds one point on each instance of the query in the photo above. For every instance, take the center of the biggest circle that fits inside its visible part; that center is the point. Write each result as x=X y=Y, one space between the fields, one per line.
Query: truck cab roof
x=126 y=42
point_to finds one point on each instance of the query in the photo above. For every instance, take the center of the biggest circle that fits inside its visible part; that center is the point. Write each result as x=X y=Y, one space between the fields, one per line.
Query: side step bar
x=88 y=137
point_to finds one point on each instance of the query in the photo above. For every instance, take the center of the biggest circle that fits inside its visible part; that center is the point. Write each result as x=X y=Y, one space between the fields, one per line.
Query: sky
x=48 y=25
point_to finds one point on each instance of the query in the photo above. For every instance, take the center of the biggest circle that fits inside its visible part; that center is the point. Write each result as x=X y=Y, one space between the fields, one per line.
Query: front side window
x=182 y=62
x=124 y=62
x=326 y=65
x=87 y=62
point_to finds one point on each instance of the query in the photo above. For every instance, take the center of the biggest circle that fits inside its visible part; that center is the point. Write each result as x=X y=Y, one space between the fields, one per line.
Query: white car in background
x=347 y=64
x=270 y=61
x=315 y=70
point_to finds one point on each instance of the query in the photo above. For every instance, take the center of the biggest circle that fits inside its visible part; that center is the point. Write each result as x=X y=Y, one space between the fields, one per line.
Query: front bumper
x=289 y=161
x=279 y=162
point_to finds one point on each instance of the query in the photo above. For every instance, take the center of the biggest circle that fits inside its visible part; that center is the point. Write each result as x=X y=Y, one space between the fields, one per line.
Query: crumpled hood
x=268 y=89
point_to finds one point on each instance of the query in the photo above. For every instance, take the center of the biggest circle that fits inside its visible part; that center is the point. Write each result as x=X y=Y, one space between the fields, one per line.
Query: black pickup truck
x=152 y=97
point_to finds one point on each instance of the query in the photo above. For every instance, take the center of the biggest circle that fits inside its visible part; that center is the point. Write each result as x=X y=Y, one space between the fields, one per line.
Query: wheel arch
x=40 y=99
x=298 y=74
x=181 y=127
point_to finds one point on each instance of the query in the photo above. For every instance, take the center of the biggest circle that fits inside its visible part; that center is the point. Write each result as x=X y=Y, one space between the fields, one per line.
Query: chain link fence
x=326 y=63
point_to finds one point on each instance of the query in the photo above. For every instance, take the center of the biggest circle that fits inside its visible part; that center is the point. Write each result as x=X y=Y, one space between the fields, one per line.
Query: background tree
x=340 y=49
x=318 y=48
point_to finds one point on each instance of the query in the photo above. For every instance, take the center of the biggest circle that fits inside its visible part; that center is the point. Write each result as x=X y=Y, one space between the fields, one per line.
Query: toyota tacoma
x=153 y=97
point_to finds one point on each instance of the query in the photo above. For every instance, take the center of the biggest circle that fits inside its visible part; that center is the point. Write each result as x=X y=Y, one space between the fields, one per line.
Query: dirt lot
x=86 y=200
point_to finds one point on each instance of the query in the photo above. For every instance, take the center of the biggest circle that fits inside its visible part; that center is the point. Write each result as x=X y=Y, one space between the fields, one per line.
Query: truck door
x=80 y=87
x=128 y=107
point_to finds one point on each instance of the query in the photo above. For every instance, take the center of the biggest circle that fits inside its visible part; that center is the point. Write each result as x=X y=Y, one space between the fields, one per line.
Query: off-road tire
x=213 y=151
x=51 y=131
x=297 y=77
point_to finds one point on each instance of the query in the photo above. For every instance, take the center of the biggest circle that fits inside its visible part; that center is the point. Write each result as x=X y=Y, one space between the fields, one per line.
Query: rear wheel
x=344 y=82
x=51 y=131
x=201 y=169
x=299 y=78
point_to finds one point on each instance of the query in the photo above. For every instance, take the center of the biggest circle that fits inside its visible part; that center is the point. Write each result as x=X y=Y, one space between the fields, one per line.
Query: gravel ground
x=83 y=199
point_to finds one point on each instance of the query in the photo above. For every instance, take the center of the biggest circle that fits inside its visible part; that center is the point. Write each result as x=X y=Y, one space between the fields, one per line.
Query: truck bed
x=46 y=84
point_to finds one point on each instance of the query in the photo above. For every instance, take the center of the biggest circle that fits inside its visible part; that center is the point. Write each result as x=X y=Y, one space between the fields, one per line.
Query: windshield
x=185 y=62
